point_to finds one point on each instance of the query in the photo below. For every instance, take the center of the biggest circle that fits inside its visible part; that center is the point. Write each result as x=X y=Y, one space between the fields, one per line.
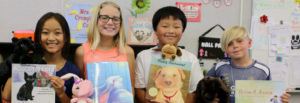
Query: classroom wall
x=246 y=7
x=23 y=15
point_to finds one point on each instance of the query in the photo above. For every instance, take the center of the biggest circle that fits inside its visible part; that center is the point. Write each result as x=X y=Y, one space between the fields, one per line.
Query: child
x=106 y=40
x=52 y=33
x=236 y=43
x=169 y=24
x=211 y=90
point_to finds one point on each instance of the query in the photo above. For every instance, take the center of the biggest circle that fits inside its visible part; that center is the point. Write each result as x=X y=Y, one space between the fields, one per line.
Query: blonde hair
x=231 y=34
x=94 y=34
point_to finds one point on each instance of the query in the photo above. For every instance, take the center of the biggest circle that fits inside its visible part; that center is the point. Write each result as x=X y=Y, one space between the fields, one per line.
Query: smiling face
x=52 y=36
x=238 y=48
x=169 y=31
x=109 y=21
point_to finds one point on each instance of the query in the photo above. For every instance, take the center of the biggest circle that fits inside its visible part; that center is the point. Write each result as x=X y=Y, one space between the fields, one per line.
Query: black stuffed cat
x=25 y=91
x=24 y=52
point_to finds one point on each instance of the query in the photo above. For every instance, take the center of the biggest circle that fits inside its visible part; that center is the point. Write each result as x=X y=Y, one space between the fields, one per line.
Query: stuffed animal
x=170 y=51
x=24 y=52
x=81 y=89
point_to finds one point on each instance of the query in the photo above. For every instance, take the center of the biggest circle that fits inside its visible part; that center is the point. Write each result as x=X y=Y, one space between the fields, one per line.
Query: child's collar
x=240 y=67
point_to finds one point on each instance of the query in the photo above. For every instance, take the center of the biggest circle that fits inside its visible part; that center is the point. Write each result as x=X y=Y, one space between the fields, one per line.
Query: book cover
x=111 y=80
x=168 y=81
x=258 y=91
x=31 y=84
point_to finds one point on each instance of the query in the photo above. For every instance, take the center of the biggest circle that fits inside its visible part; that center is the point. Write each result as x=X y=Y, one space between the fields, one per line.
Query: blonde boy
x=236 y=43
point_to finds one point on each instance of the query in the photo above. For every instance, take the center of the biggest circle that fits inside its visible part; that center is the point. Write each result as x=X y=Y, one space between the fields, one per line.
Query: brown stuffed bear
x=170 y=51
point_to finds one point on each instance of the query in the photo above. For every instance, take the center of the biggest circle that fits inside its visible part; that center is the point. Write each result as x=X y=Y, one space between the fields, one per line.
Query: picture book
x=31 y=84
x=111 y=80
x=258 y=91
x=168 y=81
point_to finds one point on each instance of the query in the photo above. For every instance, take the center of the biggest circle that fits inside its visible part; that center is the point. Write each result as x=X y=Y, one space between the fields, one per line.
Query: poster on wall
x=279 y=42
x=191 y=10
x=140 y=32
x=78 y=16
x=295 y=45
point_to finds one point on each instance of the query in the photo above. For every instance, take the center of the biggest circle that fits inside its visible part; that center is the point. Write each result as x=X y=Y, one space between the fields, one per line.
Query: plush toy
x=24 y=52
x=81 y=89
x=170 y=51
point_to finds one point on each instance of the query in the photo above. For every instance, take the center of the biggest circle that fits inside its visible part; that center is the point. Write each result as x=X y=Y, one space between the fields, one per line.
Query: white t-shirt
x=143 y=63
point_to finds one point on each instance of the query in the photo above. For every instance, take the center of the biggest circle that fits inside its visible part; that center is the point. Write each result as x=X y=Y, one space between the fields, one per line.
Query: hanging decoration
x=210 y=47
x=218 y=3
x=140 y=6
x=263 y=19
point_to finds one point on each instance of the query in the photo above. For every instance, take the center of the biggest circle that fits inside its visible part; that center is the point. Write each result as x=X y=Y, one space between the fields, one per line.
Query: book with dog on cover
x=111 y=81
x=258 y=91
x=31 y=84
x=168 y=81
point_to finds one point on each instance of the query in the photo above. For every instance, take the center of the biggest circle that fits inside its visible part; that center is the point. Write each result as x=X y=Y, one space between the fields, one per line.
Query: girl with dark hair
x=52 y=34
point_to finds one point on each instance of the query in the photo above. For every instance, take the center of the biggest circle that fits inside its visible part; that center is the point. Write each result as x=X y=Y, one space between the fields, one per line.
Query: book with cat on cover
x=111 y=80
x=168 y=81
x=31 y=84
x=258 y=91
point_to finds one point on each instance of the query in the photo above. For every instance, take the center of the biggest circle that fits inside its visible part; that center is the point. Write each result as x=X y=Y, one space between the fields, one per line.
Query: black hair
x=65 y=28
x=166 y=12
x=210 y=88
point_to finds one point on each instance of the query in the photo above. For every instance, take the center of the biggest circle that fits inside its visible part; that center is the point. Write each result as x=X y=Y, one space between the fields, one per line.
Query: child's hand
x=58 y=84
x=285 y=98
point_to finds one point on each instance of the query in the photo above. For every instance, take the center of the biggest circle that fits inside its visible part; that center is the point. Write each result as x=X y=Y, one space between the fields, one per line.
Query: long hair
x=65 y=28
x=210 y=88
x=93 y=31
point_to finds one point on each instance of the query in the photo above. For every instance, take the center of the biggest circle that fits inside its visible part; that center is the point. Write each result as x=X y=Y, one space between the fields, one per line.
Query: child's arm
x=131 y=61
x=79 y=61
x=6 y=93
x=140 y=94
x=140 y=88
x=190 y=98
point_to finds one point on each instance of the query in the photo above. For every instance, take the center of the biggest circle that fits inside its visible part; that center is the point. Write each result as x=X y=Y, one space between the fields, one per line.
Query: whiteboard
x=274 y=41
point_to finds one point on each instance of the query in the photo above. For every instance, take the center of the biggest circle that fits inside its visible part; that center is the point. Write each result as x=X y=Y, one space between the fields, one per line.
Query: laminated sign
x=209 y=47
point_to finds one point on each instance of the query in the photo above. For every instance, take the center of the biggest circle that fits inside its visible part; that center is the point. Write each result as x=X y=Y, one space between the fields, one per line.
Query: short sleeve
x=139 y=72
x=197 y=75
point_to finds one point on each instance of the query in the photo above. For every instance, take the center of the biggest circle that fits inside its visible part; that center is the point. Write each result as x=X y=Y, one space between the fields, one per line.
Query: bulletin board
x=275 y=30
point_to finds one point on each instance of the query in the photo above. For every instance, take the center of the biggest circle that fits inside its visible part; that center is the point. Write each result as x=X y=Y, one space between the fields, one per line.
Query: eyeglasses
x=105 y=19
